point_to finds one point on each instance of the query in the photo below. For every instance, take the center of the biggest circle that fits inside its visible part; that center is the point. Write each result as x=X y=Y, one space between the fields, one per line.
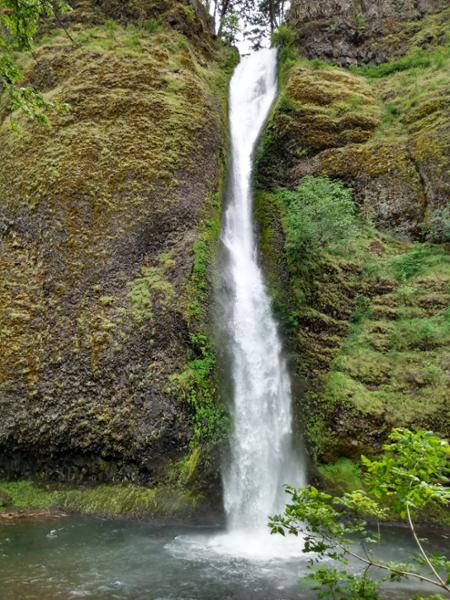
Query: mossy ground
x=111 y=219
x=415 y=102
x=105 y=500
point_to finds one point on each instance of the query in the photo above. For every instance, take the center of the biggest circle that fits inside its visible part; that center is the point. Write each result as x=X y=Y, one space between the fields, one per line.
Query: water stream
x=262 y=452
x=97 y=559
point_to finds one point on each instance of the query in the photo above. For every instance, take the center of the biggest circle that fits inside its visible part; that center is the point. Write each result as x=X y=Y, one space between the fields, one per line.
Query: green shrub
x=362 y=309
x=408 y=265
x=410 y=475
x=317 y=214
x=283 y=39
x=189 y=13
x=152 y=25
x=318 y=63
x=284 y=36
x=360 y=20
x=196 y=384
x=423 y=334
x=342 y=476
x=111 y=27
x=200 y=267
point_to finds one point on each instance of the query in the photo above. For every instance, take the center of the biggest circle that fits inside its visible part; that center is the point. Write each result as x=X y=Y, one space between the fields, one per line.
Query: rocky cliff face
x=367 y=321
x=384 y=130
x=348 y=32
x=107 y=220
x=349 y=9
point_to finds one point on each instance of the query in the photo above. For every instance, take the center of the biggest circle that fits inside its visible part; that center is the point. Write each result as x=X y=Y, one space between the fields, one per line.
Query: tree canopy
x=253 y=19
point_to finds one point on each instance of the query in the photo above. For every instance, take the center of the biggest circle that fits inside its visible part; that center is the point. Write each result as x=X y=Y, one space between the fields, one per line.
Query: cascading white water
x=262 y=456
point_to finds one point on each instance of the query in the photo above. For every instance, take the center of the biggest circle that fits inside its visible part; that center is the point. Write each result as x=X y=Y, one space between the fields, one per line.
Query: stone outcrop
x=348 y=33
x=379 y=134
x=101 y=217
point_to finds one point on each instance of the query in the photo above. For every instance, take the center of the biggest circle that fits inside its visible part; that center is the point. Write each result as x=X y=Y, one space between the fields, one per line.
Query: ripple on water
x=105 y=560
x=255 y=546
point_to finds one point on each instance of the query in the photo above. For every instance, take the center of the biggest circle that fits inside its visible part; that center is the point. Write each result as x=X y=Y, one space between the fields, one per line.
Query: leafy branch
x=411 y=474
x=19 y=23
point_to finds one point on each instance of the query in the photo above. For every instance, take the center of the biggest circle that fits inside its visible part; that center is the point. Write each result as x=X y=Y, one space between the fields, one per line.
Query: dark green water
x=77 y=557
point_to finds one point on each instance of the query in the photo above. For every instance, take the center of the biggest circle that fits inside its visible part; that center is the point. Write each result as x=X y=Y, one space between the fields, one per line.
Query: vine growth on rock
x=19 y=23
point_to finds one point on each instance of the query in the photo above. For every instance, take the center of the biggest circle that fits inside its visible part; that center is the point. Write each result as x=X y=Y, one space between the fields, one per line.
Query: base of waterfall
x=115 y=559
x=249 y=544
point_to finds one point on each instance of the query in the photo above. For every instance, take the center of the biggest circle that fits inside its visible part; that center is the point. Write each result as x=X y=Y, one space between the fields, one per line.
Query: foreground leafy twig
x=411 y=475
x=422 y=551
x=19 y=23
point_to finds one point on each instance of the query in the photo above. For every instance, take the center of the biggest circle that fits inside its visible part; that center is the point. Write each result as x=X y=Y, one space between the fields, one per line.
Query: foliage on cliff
x=19 y=23
x=367 y=317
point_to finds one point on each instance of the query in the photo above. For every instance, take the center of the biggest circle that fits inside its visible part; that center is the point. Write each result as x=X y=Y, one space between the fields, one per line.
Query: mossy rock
x=317 y=109
x=100 y=215
x=386 y=181
x=188 y=17
x=367 y=327
x=383 y=130
x=350 y=33
x=110 y=501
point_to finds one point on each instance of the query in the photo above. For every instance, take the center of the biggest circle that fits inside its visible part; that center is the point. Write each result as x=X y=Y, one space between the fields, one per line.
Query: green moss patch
x=106 y=500
x=148 y=288
x=368 y=318
x=342 y=476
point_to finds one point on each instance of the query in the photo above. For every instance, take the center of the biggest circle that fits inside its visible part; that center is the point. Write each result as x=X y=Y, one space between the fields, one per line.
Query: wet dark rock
x=349 y=33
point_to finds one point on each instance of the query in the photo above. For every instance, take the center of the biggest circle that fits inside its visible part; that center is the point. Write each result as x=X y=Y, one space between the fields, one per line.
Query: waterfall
x=262 y=458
